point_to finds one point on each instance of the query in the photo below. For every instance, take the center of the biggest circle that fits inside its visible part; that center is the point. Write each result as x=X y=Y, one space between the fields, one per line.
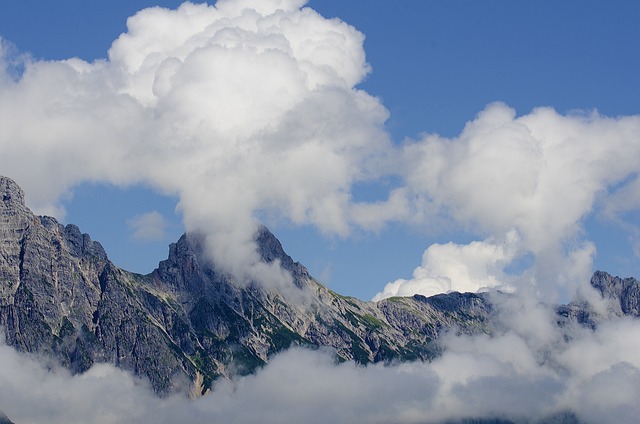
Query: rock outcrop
x=624 y=294
x=60 y=296
x=4 y=419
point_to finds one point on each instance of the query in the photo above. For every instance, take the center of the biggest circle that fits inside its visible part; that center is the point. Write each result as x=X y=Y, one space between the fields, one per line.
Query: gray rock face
x=187 y=323
x=623 y=296
x=60 y=295
x=625 y=293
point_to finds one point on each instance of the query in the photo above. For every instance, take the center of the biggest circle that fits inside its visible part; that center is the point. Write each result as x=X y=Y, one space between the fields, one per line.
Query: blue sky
x=435 y=65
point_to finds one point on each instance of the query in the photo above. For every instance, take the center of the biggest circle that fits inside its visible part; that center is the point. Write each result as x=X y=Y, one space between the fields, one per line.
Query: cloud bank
x=252 y=108
x=525 y=183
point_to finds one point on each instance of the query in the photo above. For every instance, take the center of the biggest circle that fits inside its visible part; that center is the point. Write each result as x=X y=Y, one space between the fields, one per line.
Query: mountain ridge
x=187 y=323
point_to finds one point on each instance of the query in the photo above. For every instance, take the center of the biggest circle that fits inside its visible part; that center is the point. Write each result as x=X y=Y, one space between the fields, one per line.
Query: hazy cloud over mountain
x=148 y=226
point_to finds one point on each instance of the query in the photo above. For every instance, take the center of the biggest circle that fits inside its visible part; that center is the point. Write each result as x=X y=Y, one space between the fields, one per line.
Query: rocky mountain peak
x=11 y=195
x=624 y=292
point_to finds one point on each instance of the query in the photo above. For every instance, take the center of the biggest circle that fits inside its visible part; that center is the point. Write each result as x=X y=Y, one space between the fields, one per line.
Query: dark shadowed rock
x=4 y=419
x=559 y=418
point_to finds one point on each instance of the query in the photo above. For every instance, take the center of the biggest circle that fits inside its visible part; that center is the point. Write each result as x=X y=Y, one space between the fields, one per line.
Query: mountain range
x=187 y=323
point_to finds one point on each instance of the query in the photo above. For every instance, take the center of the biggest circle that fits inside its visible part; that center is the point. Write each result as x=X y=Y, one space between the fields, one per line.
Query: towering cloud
x=236 y=108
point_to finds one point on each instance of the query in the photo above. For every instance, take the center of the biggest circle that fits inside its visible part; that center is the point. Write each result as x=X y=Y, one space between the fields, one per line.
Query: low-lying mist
x=530 y=369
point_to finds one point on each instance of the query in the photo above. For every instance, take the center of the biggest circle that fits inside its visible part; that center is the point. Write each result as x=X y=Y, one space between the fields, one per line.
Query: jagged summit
x=625 y=293
x=11 y=195
x=10 y=190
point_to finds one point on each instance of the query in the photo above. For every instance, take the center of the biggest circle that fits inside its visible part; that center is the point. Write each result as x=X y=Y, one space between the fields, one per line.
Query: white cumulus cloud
x=236 y=108
x=453 y=267
x=538 y=175
x=252 y=108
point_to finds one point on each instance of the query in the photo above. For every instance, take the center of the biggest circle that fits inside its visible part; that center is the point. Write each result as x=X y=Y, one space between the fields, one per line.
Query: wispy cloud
x=149 y=226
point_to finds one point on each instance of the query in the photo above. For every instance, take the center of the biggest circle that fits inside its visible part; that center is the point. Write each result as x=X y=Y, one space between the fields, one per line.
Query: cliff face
x=187 y=323
x=49 y=276
x=60 y=296
x=623 y=293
